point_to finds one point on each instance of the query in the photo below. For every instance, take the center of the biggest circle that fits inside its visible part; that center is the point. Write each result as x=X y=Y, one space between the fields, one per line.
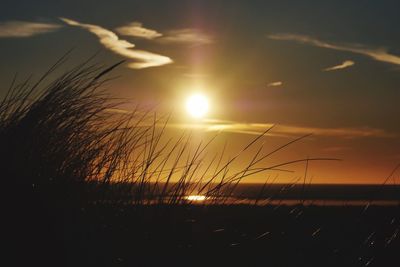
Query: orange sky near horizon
x=326 y=69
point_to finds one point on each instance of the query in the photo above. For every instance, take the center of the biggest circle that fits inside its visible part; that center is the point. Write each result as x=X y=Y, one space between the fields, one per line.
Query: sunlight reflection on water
x=196 y=198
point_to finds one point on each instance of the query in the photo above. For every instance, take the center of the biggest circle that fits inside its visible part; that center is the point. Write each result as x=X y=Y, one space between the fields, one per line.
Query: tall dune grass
x=67 y=146
x=67 y=142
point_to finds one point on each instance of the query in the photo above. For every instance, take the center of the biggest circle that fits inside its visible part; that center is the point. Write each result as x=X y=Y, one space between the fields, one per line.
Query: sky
x=329 y=68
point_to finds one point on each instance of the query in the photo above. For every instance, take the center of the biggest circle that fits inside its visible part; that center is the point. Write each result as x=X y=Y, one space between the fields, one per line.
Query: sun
x=197 y=105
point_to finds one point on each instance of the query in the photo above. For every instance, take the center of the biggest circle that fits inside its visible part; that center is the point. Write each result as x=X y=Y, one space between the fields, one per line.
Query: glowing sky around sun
x=236 y=68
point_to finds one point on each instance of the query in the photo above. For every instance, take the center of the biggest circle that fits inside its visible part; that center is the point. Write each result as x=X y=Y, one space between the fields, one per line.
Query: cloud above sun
x=186 y=36
x=21 y=29
x=110 y=40
x=345 y=64
x=378 y=54
x=121 y=47
x=136 y=29
x=189 y=36
x=145 y=59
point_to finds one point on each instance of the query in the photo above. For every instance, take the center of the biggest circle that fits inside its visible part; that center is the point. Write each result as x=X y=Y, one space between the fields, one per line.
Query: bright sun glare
x=196 y=198
x=197 y=105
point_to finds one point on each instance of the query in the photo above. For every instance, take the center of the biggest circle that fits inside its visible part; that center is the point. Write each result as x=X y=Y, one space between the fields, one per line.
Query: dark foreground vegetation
x=86 y=183
x=232 y=235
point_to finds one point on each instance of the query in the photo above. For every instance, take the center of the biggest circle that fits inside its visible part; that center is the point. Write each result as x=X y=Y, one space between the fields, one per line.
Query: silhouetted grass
x=62 y=138
x=73 y=163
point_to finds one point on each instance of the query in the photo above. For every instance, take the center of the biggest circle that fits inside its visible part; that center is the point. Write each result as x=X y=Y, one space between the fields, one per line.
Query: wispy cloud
x=336 y=132
x=345 y=64
x=279 y=130
x=136 y=29
x=274 y=84
x=378 y=54
x=19 y=29
x=285 y=130
x=189 y=36
x=186 y=36
x=121 y=47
